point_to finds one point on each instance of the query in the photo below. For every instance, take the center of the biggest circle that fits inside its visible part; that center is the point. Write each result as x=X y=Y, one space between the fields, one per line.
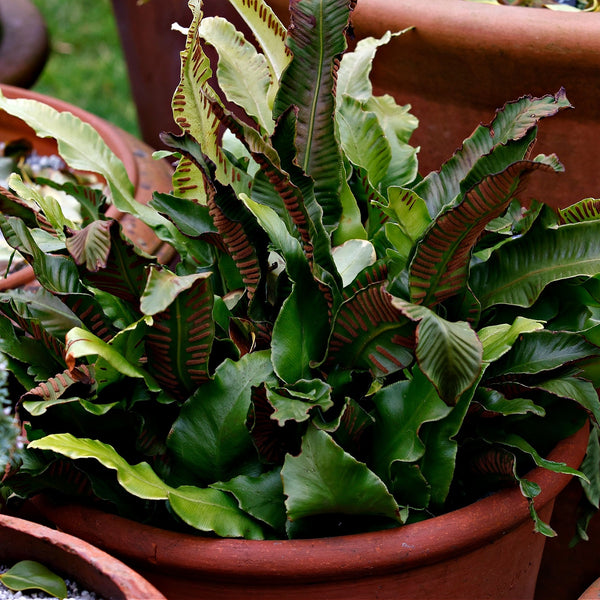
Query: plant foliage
x=341 y=345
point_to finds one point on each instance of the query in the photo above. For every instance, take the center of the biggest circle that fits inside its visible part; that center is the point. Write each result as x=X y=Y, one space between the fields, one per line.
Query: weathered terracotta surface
x=463 y=59
x=146 y=174
x=24 y=44
x=486 y=550
x=73 y=558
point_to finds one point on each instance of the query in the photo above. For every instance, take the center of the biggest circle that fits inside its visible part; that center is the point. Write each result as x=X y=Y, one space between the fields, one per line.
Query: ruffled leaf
x=518 y=271
x=82 y=148
x=363 y=140
x=90 y=246
x=204 y=509
x=316 y=39
x=295 y=403
x=369 y=332
x=179 y=341
x=210 y=438
x=584 y=210
x=402 y=410
x=192 y=102
x=440 y=267
x=449 y=353
x=242 y=72
x=323 y=479
x=80 y=343
x=262 y=497
x=268 y=31
x=541 y=351
x=513 y=122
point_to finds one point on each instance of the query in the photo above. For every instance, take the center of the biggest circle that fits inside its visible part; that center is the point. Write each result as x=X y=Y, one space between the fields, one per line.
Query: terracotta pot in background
x=566 y=572
x=461 y=61
x=146 y=174
x=464 y=59
x=72 y=558
x=485 y=550
x=23 y=43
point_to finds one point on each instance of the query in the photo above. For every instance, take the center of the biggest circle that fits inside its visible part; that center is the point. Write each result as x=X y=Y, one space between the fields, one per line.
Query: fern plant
x=342 y=345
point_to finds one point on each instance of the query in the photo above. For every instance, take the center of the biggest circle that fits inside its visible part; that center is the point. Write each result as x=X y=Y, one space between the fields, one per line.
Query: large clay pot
x=72 y=558
x=147 y=174
x=485 y=550
x=23 y=42
x=460 y=61
x=463 y=59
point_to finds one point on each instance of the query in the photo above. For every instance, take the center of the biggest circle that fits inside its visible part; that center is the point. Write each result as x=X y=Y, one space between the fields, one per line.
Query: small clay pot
x=72 y=558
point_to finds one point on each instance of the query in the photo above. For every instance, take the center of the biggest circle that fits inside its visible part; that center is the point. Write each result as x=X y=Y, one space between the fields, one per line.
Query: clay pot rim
x=592 y=592
x=396 y=550
x=459 y=26
x=76 y=558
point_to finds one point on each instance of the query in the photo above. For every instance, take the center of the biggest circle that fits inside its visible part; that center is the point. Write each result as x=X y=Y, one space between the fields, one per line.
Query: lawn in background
x=86 y=65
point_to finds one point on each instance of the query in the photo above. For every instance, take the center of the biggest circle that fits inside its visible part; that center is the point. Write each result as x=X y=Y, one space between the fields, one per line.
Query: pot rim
x=459 y=26
x=89 y=565
x=396 y=550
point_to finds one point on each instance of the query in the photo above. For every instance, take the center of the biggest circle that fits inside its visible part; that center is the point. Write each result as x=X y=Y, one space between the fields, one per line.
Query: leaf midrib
x=519 y=281
x=317 y=95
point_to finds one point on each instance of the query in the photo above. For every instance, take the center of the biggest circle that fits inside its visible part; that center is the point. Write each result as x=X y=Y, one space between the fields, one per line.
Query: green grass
x=86 y=65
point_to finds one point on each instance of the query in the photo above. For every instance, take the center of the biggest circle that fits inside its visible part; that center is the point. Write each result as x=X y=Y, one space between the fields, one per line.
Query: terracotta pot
x=464 y=59
x=485 y=550
x=23 y=43
x=461 y=61
x=72 y=558
x=146 y=174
